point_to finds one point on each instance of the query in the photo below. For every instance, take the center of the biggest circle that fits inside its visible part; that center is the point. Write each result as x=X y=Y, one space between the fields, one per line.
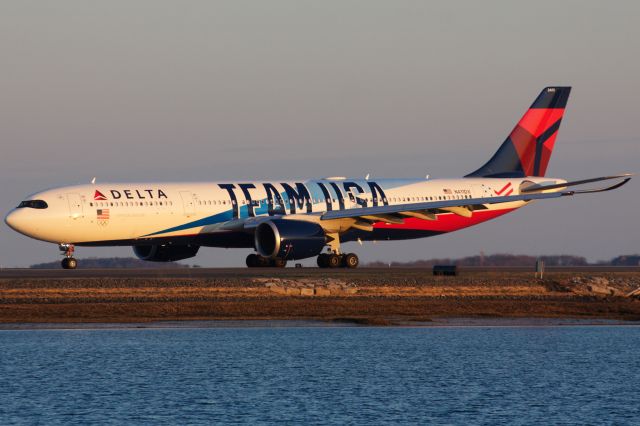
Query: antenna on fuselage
x=427 y=177
x=366 y=177
x=93 y=181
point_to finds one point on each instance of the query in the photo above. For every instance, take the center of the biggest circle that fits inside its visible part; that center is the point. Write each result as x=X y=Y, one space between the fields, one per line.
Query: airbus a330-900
x=281 y=221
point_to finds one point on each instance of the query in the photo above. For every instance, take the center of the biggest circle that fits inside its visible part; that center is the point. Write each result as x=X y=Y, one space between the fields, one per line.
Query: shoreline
x=364 y=297
x=344 y=323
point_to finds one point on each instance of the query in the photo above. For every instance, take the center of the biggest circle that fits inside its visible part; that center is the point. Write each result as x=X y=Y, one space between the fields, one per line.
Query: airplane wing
x=465 y=207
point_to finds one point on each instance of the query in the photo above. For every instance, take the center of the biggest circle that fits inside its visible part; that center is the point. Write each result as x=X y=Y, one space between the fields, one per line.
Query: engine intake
x=165 y=252
x=289 y=239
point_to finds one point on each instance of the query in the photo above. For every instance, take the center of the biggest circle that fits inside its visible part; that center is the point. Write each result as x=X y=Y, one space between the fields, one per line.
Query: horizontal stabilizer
x=626 y=177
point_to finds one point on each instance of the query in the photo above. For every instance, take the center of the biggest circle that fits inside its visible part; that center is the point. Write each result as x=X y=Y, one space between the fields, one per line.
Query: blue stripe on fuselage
x=210 y=220
x=312 y=187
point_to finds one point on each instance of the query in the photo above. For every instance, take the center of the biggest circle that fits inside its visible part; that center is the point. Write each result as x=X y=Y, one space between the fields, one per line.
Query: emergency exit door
x=188 y=203
x=75 y=206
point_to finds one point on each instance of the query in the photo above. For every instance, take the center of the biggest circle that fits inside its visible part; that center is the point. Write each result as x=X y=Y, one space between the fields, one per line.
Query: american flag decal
x=103 y=214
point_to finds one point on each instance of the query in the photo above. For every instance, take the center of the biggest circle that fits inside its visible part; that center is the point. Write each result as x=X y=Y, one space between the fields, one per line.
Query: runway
x=235 y=273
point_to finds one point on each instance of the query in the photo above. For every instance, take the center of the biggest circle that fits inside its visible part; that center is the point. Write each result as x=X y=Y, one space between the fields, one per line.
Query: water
x=344 y=375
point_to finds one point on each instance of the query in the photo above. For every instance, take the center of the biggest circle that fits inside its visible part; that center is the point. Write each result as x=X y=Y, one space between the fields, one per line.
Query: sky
x=153 y=90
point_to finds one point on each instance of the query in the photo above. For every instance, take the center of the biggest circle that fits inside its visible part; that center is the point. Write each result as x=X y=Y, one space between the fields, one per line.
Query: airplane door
x=75 y=206
x=188 y=203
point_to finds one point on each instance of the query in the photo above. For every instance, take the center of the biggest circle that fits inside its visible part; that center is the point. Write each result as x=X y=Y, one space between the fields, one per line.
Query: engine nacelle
x=289 y=239
x=165 y=252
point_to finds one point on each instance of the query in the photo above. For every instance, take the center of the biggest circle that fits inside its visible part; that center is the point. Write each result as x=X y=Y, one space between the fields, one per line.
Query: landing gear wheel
x=278 y=262
x=350 y=261
x=263 y=262
x=252 y=260
x=334 y=260
x=69 y=263
x=323 y=260
x=257 y=261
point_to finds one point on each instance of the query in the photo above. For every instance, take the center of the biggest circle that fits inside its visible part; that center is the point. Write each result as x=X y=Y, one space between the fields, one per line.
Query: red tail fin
x=527 y=150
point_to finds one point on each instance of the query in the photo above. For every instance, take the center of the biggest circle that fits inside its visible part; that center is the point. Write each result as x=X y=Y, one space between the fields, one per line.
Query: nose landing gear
x=68 y=262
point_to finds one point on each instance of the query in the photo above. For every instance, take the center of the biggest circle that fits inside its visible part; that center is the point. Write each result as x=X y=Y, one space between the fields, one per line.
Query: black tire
x=334 y=261
x=323 y=261
x=252 y=260
x=278 y=262
x=69 y=263
x=263 y=262
x=350 y=261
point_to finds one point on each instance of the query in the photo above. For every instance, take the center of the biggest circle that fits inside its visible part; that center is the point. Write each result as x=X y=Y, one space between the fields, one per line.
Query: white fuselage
x=123 y=213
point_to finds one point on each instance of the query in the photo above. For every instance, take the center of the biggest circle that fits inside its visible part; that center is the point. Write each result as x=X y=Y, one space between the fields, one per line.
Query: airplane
x=282 y=221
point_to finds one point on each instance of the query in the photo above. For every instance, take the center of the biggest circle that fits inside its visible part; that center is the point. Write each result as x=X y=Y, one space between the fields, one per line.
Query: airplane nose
x=10 y=219
x=16 y=221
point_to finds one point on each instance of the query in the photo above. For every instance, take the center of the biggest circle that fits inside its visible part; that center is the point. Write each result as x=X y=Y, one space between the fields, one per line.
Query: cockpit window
x=33 y=204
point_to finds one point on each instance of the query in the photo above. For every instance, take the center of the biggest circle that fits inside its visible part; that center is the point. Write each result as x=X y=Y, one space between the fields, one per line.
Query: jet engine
x=165 y=252
x=289 y=239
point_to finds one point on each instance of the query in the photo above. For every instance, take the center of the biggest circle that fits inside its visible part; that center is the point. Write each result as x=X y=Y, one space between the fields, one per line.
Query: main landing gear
x=68 y=262
x=334 y=260
x=257 y=261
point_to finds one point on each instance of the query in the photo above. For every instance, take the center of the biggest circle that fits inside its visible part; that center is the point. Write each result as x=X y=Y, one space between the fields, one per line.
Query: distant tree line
x=511 y=260
x=626 y=260
x=112 y=262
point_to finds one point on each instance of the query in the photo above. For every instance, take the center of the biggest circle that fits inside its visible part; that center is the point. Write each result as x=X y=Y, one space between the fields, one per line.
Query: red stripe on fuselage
x=446 y=222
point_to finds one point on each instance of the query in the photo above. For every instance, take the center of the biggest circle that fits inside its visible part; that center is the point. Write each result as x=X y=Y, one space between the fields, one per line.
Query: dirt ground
x=368 y=296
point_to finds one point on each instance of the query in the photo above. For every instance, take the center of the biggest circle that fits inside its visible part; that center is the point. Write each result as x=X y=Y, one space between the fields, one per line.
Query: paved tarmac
x=276 y=272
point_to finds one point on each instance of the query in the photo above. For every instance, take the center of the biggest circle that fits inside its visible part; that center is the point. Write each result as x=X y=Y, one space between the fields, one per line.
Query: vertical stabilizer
x=528 y=148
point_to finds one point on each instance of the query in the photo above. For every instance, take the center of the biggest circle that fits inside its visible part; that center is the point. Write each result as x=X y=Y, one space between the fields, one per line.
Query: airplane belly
x=448 y=222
